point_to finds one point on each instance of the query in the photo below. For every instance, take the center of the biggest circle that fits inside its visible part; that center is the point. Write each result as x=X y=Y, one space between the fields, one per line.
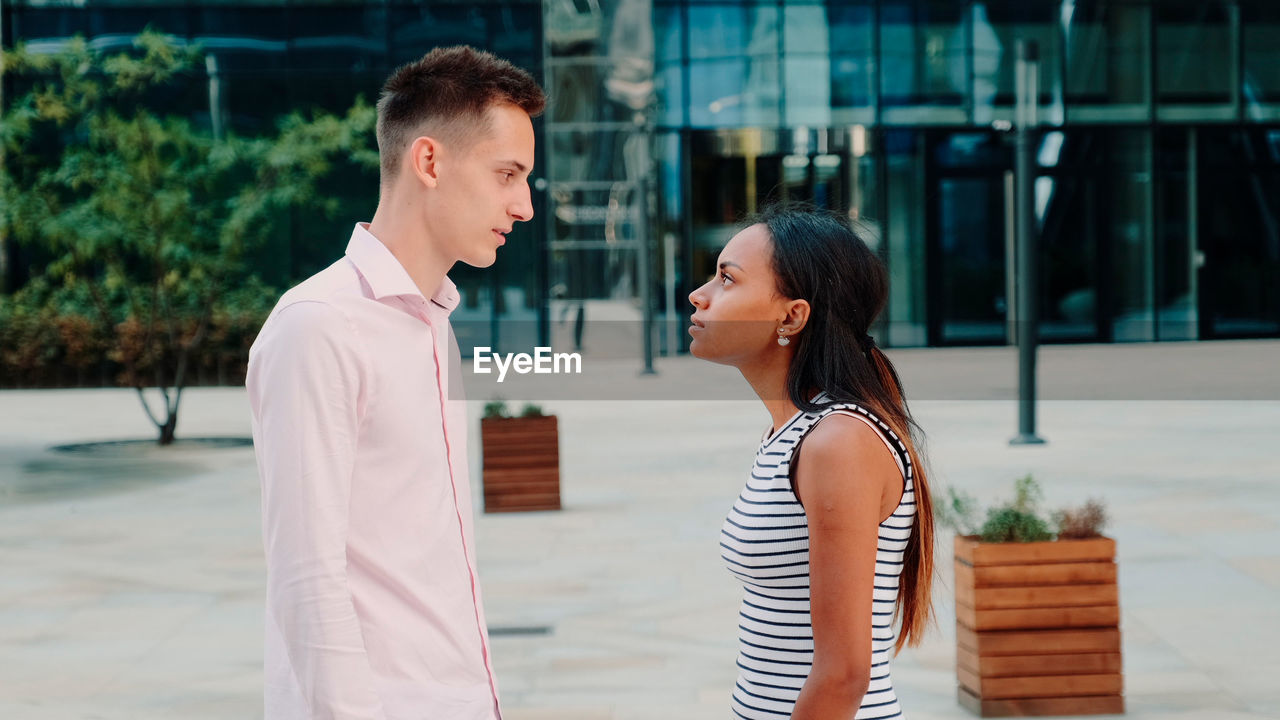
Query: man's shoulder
x=333 y=285
x=314 y=309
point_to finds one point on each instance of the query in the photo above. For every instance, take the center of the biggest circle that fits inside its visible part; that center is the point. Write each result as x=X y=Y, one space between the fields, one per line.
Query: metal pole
x=645 y=240
x=215 y=96
x=1027 y=73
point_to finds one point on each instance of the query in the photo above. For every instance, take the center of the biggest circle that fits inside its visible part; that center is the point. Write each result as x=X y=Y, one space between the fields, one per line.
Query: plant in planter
x=1037 y=608
x=521 y=459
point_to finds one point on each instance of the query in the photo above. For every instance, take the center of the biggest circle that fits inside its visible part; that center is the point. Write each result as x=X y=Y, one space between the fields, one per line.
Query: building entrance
x=971 y=239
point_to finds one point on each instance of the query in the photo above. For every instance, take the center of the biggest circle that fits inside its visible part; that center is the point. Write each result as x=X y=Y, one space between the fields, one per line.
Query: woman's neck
x=768 y=378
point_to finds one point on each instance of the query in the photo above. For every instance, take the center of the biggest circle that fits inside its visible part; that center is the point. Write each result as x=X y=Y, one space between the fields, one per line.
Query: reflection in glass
x=1240 y=237
x=734 y=74
x=851 y=39
x=1132 y=252
x=905 y=236
x=998 y=25
x=1261 y=82
x=1107 y=55
x=806 y=66
x=1194 y=53
x=924 y=48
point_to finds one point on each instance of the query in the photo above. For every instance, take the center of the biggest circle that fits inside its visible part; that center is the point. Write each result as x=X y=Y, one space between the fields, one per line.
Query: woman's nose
x=695 y=297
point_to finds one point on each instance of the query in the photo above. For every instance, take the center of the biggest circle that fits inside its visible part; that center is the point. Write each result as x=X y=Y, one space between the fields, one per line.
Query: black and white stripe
x=765 y=544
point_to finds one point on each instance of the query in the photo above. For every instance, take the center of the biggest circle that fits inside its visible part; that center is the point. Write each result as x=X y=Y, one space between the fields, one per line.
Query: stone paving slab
x=144 y=600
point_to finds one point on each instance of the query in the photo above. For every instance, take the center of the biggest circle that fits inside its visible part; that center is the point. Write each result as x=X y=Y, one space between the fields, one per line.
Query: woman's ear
x=797 y=316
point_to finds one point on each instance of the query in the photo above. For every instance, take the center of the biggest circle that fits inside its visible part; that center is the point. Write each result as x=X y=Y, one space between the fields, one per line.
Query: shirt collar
x=386 y=276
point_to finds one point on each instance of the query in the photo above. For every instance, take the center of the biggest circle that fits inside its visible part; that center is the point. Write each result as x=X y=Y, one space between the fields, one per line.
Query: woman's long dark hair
x=819 y=258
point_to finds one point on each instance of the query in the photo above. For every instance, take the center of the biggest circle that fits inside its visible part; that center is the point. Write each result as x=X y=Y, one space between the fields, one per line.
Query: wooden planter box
x=1038 y=628
x=521 y=463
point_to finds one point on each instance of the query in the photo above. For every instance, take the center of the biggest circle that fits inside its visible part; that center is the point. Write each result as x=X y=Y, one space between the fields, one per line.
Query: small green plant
x=531 y=410
x=1009 y=524
x=959 y=512
x=1021 y=519
x=496 y=408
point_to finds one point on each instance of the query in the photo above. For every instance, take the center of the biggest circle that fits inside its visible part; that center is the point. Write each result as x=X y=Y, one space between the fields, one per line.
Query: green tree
x=147 y=214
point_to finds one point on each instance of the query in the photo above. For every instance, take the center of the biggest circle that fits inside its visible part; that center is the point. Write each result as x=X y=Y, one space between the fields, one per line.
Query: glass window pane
x=507 y=30
x=806 y=66
x=727 y=31
x=1261 y=25
x=905 y=237
x=924 y=46
x=1194 y=53
x=32 y=24
x=132 y=20
x=577 y=92
x=851 y=42
x=998 y=25
x=1239 y=230
x=574 y=27
x=1108 y=54
x=733 y=93
x=1132 y=254
x=668 y=33
x=343 y=39
x=592 y=155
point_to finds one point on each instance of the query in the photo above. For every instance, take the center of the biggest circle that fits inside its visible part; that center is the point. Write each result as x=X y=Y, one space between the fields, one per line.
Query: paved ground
x=132 y=583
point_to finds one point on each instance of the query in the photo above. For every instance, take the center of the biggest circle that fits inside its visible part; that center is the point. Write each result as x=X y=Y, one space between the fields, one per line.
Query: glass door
x=970 y=238
x=973 y=242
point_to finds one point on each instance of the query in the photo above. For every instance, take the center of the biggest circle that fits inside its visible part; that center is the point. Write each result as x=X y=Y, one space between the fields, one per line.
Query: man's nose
x=522 y=209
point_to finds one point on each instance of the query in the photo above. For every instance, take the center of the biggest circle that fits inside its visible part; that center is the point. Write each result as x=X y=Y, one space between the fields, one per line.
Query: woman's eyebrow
x=730 y=263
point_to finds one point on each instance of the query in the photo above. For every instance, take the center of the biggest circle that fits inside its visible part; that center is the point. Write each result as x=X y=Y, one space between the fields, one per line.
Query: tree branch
x=142 y=398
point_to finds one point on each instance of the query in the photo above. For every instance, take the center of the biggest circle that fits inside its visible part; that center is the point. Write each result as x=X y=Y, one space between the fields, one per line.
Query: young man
x=373 y=605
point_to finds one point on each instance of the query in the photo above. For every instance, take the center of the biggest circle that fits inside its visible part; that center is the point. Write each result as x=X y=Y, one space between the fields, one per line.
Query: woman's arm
x=842 y=473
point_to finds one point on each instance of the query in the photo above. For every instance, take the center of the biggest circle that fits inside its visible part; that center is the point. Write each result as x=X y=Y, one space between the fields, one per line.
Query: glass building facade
x=1157 y=195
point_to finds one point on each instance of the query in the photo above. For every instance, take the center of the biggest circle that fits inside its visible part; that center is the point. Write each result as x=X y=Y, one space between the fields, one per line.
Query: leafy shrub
x=1009 y=524
x=1021 y=519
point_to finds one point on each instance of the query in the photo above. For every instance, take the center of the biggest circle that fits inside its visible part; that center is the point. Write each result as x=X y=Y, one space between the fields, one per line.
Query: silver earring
x=783 y=340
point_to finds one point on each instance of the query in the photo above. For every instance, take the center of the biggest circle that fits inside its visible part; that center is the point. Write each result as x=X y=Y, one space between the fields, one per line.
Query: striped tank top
x=765 y=542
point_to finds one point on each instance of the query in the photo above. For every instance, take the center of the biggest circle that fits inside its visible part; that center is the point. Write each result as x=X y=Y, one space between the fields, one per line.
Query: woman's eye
x=725 y=279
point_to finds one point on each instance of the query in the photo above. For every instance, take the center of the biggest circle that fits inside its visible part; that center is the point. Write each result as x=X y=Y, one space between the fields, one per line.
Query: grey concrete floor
x=132 y=582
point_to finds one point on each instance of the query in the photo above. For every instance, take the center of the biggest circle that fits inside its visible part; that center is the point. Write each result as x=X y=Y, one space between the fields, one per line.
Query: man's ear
x=424 y=160
x=797 y=316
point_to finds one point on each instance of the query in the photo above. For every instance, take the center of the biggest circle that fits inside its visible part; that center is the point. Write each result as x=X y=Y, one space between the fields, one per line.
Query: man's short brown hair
x=446 y=94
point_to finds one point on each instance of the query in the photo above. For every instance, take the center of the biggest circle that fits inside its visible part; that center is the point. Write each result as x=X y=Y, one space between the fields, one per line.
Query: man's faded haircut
x=446 y=94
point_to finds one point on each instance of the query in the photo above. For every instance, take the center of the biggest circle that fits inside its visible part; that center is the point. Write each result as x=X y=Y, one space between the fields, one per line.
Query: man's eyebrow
x=516 y=164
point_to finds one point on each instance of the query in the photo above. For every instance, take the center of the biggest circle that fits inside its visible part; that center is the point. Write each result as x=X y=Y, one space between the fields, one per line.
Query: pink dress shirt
x=373 y=604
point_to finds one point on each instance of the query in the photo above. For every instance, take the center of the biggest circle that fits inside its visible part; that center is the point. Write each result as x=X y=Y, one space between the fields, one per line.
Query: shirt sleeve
x=306 y=391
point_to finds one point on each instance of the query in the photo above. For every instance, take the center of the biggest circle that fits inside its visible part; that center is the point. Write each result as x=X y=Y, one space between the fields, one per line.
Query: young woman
x=832 y=537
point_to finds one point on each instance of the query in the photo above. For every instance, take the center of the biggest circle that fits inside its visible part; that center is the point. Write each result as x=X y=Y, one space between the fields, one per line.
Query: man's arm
x=305 y=390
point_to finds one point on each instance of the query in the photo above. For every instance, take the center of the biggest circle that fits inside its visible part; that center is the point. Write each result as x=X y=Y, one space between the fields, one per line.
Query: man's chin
x=482 y=260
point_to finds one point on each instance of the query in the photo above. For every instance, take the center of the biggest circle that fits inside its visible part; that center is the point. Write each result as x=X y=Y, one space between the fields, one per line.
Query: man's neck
x=402 y=232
